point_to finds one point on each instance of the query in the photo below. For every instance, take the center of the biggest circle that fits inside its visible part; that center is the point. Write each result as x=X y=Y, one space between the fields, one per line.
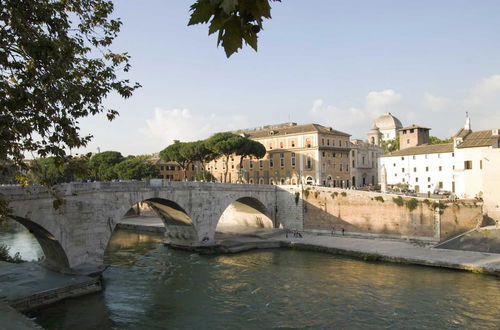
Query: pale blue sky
x=337 y=63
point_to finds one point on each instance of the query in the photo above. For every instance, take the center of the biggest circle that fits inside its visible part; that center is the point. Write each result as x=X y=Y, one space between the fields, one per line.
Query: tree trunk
x=227 y=169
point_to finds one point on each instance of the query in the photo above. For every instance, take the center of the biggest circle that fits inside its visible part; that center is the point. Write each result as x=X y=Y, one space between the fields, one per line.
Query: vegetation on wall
x=297 y=197
x=379 y=198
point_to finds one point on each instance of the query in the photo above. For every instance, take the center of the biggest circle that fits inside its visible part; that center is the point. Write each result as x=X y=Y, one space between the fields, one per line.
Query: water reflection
x=19 y=239
x=150 y=286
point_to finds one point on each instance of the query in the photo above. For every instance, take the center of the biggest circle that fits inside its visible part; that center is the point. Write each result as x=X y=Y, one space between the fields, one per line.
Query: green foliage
x=225 y=144
x=135 y=169
x=297 y=197
x=344 y=194
x=204 y=176
x=398 y=201
x=51 y=170
x=306 y=192
x=102 y=165
x=390 y=145
x=379 y=198
x=4 y=208
x=336 y=193
x=4 y=255
x=427 y=202
x=412 y=204
x=316 y=194
x=435 y=140
x=56 y=67
x=234 y=20
x=332 y=195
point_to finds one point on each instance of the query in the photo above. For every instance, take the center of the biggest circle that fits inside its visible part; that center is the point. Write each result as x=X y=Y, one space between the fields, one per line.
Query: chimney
x=467 y=121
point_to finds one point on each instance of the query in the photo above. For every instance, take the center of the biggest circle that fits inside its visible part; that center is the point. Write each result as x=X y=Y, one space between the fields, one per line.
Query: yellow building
x=171 y=170
x=308 y=154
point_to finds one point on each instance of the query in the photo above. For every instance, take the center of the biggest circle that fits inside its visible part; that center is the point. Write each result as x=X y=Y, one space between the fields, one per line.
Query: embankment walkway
x=398 y=251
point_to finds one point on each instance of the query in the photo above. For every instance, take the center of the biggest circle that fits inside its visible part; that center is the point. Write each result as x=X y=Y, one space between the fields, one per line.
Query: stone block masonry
x=386 y=215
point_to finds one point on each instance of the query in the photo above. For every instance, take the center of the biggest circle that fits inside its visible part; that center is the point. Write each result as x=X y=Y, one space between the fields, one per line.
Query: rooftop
x=413 y=127
x=479 y=139
x=422 y=149
x=279 y=130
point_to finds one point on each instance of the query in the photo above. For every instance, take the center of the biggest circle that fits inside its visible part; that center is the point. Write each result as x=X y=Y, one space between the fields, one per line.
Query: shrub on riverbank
x=4 y=255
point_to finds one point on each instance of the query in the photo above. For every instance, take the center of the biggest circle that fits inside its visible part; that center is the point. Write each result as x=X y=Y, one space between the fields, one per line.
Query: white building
x=469 y=167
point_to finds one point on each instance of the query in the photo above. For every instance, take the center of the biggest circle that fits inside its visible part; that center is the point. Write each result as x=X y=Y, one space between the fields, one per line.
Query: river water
x=149 y=286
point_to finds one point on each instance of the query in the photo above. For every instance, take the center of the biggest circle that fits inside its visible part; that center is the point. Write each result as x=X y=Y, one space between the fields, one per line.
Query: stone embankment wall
x=384 y=214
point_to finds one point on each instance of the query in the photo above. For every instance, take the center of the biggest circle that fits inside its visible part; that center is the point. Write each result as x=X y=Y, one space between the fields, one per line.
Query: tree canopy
x=135 y=169
x=56 y=67
x=436 y=140
x=102 y=165
x=175 y=153
x=235 y=21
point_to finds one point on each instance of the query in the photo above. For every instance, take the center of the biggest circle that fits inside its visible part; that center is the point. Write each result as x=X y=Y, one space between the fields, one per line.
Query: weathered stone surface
x=75 y=235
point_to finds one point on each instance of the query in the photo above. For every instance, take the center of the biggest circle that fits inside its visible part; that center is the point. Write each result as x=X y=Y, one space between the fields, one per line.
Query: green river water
x=150 y=286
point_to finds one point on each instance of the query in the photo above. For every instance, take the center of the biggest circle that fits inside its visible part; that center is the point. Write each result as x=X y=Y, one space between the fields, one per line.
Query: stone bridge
x=74 y=222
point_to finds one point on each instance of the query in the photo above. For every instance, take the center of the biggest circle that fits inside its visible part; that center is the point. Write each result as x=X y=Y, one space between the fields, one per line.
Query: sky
x=335 y=63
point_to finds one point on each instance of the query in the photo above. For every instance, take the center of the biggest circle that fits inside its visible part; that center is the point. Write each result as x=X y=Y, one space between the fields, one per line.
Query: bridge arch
x=179 y=226
x=55 y=257
x=244 y=212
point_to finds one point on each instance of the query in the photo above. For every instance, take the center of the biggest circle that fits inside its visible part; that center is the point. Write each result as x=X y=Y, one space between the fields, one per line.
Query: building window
x=162 y=168
x=414 y=157
x=428 y=179
x=403 y=169
x=481 y=164
x=453 y=167
x=293 y=159
x=452 y=154
x=271 y=161
x=308 y=143
x=192 y=167
x=353 y=153
x=251 y=163
x=439 y=155
x=340 y=167
x=407 y=141
x=440 y=185
x=282 y=160
x=281 y=145
x=394 y=164
x=323 y=154
x=353 y=164
x=403 y=179
x=334 y=155
x=261 y=163
x=308 y=162
x=322 y=142
x=468 y=165
x=416 y=179
x=293 y=143
x=440 y=168
x=414 y=169
x=270 y=145
x=427 y=168
x=328 y=142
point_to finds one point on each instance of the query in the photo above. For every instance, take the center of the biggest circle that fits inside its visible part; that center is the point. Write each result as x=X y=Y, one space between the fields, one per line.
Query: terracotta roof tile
x=422 y=149
x=479 y=139
x=297 y=129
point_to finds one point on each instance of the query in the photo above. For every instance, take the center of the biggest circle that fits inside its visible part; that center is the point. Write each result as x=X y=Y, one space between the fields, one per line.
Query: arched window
x=250 y=181
x=309 y=180
x=282 y=181
x=261 y=181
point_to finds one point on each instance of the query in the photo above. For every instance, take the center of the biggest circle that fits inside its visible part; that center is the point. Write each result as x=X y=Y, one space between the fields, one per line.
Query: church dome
x=387 y=121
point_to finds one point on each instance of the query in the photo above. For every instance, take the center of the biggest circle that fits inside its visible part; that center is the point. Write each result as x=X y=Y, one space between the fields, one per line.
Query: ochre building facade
x=296 y=154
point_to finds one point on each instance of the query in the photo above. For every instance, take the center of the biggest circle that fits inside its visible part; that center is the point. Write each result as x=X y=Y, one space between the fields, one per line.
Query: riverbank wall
x=384 y=215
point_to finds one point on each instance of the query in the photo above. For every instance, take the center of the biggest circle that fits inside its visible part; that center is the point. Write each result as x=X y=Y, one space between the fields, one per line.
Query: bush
x=398 y=201
x=4 y=255
x=333 y=195
x=344 y=194
x=306 y=192
x=316 y=194
x=412 y=204
x=379 y=198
